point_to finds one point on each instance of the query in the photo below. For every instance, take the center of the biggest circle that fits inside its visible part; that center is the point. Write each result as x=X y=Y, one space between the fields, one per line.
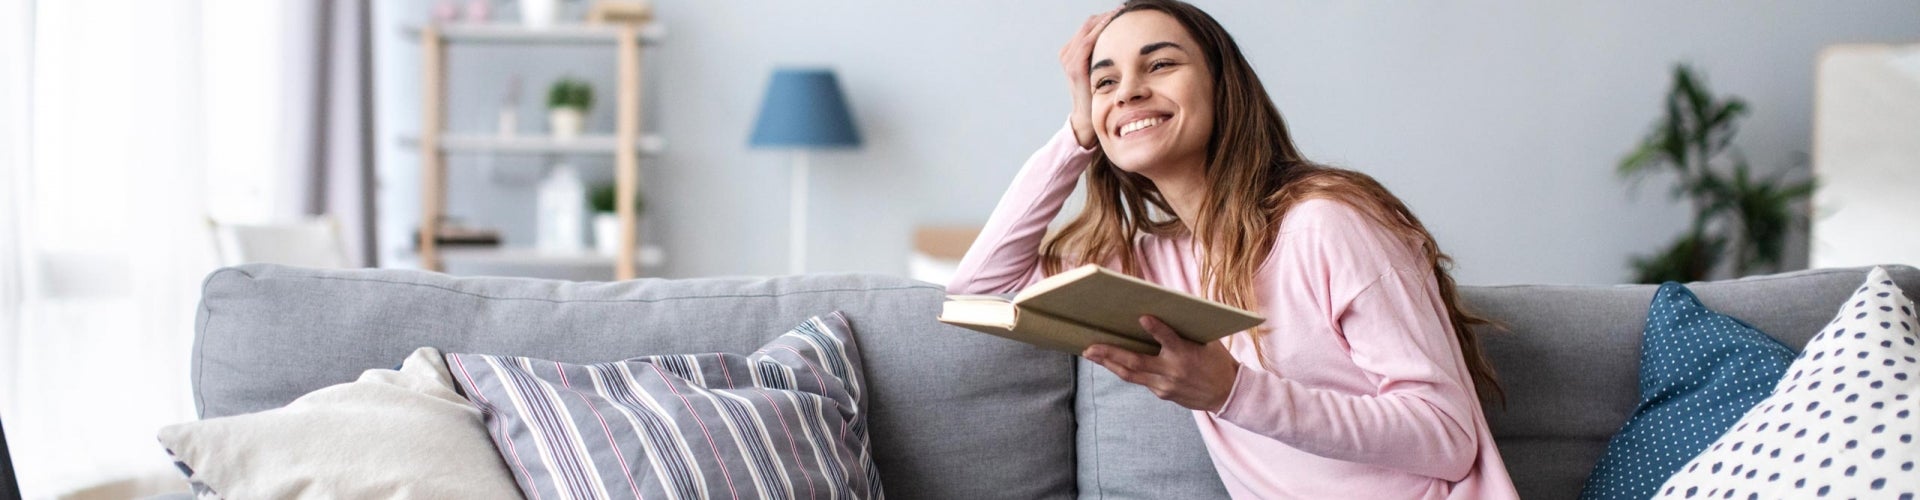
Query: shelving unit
x=648 y=145
x=625 y=144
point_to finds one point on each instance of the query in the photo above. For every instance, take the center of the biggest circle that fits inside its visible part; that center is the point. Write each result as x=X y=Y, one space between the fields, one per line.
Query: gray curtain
x=331 y=63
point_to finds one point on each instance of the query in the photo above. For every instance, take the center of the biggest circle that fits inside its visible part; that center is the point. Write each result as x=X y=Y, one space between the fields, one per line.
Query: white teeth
x=1139 y=124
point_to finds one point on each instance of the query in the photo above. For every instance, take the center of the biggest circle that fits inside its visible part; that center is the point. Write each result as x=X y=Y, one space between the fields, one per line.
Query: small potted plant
x=606 y=222
x=567 y=103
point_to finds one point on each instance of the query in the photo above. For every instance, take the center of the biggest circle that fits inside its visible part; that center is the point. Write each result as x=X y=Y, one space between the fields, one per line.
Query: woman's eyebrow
x=1149 y=48
x=1144 y=50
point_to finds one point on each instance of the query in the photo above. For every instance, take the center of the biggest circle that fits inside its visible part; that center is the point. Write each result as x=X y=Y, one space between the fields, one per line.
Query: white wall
x=1498 y=122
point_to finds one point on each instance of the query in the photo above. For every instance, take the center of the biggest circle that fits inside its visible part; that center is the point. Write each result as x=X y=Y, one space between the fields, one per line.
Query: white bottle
x=562 y=211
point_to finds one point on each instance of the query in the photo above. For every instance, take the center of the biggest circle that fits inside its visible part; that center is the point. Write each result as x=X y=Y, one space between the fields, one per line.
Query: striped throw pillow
x=787 y=421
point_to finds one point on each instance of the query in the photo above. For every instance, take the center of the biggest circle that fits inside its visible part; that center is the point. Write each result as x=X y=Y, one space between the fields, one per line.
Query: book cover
x=1093 y=305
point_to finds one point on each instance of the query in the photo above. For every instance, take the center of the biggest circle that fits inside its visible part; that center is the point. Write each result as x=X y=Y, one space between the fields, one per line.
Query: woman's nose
x=1131 y=91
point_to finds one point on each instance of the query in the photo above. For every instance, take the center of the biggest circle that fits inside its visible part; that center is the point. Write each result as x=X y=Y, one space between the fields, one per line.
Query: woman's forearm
x=1006 y=256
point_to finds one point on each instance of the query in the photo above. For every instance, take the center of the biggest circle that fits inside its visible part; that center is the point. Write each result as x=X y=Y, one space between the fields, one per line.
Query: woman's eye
x=1159 y=64
x=1102 y=83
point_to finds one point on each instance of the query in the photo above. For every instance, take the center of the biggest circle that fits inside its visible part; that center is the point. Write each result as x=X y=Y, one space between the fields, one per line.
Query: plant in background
x=568 y=92
x=606 y=223
x=601 y=199
x=567 y=103
x=1736 y=215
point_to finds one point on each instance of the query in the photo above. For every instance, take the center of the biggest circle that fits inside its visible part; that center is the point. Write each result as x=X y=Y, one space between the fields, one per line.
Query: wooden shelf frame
x=603 y=144
x=626 y=145
x=517 y=34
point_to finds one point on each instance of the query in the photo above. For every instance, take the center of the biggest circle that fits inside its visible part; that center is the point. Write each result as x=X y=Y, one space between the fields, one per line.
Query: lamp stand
x=797 y=241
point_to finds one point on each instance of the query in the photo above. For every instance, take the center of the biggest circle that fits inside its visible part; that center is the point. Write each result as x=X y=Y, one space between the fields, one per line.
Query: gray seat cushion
x=955 y=414
x=1570 y=365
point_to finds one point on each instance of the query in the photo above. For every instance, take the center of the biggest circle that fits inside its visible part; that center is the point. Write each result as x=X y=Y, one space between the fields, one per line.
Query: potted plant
x=1740 y=219
x=606 y=221
x=567 y=103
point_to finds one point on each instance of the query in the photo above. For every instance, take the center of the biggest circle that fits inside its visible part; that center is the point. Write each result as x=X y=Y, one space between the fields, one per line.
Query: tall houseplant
x=1736 y=215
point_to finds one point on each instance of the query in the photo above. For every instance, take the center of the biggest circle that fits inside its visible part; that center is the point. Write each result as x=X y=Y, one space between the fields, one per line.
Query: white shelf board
x=648 y=145
x=646 y=256
x=515 y=33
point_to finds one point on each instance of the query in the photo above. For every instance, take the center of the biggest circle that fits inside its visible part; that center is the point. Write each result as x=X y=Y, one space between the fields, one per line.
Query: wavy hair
x=1254 y=174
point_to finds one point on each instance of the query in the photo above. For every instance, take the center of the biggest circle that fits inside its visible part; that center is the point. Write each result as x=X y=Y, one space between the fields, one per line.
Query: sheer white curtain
x=144 y=118
x=16 y=37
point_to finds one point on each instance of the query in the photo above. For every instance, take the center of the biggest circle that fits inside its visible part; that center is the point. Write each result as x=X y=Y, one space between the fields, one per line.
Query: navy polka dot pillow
x=1699 y=372
x=1841 y=424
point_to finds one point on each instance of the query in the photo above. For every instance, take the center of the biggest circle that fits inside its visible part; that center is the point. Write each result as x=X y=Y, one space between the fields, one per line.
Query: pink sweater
x=1362 y=392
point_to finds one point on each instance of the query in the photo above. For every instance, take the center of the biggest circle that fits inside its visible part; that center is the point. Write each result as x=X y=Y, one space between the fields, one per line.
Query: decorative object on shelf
x=445 y=11
x=568 y=101
x=539 y=13
x=453 y=232
x=478 y=11
x=1736 y=215
x=803 y=109
x=606 y=220
x=510 y=108
x=620 y=11
x=562 y=210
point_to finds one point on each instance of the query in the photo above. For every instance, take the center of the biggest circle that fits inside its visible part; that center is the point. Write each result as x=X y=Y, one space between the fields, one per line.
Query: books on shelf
x=1093 y=305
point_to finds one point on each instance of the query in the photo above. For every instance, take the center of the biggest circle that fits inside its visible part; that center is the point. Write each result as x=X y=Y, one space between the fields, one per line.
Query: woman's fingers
x=1076 y=55
x=1075 y=58
x=1093 y=22
x=1072 y=54
x=1094 y=25
x=1131 y=367
x=1109 y=355
x=1165 y=335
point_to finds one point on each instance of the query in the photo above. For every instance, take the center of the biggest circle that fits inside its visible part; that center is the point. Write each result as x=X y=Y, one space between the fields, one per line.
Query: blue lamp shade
x=804 y=109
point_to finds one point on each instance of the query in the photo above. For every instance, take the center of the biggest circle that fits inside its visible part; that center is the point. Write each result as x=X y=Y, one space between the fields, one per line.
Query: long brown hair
x=1254 y=174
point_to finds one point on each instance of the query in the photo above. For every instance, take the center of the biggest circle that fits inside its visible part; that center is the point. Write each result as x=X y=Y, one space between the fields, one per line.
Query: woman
x=1362 y=382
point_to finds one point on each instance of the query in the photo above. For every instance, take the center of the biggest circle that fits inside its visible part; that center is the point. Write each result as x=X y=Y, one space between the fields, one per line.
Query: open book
x=1093 y=305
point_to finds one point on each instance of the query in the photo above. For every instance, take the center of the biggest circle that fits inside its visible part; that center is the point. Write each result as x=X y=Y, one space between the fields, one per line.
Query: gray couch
x=955 y=414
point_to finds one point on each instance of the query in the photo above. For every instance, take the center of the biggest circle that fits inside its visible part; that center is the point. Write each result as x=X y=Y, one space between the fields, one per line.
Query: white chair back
x=314 y=242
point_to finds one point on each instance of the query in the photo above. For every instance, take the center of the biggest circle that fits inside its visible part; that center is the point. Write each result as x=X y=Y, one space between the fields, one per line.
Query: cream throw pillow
x=391 y=434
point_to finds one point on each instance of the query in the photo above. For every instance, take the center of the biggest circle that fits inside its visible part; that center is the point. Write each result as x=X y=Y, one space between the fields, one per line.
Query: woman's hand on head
x=1196 y=376
x=1076 y=57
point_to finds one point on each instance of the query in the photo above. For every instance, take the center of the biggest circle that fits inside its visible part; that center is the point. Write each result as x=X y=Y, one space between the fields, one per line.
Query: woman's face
x=1152 y=93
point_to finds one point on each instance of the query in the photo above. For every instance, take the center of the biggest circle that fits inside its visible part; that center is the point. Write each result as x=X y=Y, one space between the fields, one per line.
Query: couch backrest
x=1569 y=363
x=954 y=414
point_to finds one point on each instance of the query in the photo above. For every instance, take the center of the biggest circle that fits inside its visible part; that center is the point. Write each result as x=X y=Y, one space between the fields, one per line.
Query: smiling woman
x=1365 y=373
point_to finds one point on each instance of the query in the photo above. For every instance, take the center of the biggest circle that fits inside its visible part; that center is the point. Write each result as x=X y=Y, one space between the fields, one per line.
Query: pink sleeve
x=1006 y=256
x=1420 y=419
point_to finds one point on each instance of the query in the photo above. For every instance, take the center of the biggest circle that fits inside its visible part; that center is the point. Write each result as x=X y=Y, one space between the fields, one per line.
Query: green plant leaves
x=569 y=92
x=1735 y=214
x=602 y=198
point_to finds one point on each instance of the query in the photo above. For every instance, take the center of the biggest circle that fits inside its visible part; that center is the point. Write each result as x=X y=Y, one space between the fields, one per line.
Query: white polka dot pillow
x=1841 y=424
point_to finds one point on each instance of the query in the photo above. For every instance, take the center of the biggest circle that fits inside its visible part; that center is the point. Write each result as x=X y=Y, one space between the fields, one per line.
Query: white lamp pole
x=797 y=240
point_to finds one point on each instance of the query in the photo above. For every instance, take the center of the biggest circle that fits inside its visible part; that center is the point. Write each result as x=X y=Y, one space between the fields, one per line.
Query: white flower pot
x=565 y=122
x=539 y=13
x=606 y=233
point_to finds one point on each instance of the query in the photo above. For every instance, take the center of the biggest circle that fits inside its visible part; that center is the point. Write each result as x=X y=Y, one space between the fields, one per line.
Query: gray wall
x=1498 y=122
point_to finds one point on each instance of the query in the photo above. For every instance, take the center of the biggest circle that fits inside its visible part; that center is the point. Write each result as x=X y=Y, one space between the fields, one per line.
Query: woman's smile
x=1140 y=122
